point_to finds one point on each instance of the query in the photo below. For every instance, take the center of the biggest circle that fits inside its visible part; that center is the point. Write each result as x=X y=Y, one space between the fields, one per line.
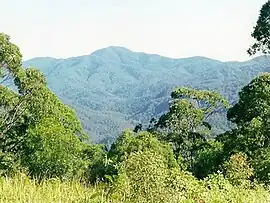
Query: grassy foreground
x=22 y=189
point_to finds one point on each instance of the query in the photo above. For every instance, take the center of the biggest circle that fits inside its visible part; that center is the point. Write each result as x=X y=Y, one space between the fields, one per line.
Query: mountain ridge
x=114 y=47
x=114 y=88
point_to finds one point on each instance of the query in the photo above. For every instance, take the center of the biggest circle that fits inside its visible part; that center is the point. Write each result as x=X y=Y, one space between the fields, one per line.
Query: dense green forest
x=45 y=155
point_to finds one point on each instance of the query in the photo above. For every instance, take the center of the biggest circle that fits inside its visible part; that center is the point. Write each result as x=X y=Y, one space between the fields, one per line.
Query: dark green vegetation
x=174 y=158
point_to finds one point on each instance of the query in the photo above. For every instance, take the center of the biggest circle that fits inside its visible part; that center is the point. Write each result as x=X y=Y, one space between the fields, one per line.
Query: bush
x=9 y=164
x=261 y=164
x=52 y=150
x=129 y=142
x=209 y=159
x=100 y=167
x=237 y=169
x=144 y=177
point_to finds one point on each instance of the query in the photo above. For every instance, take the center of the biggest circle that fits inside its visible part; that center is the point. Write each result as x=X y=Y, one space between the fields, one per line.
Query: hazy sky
x=218 y=29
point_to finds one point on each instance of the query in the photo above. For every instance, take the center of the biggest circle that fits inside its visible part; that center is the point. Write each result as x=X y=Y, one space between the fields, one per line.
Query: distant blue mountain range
x=115 y=88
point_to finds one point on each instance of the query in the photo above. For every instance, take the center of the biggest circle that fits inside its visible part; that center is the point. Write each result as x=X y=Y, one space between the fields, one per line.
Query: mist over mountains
x=115 y=88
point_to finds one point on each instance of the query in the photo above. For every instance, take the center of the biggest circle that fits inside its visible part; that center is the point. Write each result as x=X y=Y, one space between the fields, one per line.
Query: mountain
x=115 y=88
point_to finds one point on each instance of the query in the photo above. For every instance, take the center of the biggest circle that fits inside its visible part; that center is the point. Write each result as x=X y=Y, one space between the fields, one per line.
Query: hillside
x=114 y=88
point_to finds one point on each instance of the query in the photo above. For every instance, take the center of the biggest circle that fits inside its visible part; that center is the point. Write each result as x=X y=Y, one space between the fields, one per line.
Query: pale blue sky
x=218 y=29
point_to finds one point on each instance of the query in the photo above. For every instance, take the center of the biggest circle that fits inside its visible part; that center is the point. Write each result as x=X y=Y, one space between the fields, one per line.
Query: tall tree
x=185 y=124
x=35 y=126
x=261 y=32
x=254 y=101
x=251 y=114
x=252 y=135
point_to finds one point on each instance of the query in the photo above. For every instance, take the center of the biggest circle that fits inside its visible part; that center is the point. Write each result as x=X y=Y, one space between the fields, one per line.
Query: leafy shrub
x=52 y=150
x=261 y=164
x=209 y=159
x=144 y=178
x=237 y=169
x=129 y=142
x=100 y=167
x=9 y=164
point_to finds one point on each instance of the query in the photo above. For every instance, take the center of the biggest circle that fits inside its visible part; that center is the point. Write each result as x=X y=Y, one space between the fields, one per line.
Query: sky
x=216 y=29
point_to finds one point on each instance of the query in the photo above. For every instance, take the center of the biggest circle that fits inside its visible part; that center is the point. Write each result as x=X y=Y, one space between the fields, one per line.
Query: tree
x=53 y=150
x=148 y=171
x=101 y=168
x=261 y=32
x=11 y=106
x=185 y=124
x=254 y=101
x=138 y=128
x=17 y=102
x=251 y=114
x=129 y=142
x=261 y=164
x=36 y=128
x=209 y=159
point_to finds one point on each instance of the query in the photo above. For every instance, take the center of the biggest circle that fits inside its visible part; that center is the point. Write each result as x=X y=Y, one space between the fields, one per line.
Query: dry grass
x=21 y=189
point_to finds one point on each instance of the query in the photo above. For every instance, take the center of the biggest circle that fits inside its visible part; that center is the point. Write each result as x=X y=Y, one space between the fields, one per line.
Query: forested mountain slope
x=114 y=88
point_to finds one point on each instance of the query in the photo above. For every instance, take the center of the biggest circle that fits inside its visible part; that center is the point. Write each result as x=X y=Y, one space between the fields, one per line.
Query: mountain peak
x=114 y=87
x=110 y=49
x=111 y=53
x=118 y=48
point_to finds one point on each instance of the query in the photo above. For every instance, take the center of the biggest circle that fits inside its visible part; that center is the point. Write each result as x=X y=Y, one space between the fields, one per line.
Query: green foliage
x=52 y=150
x=129 y=142
x=36 y=129
x=145 y=177
x=10 y=56
x=251 y=114
x=247 y=138
x=185 y=125
x=219 y=189
x=261 y=32
x=209 y=159
x=100 y=168
x=9 y=165
x=254 y=101
x=261 y=165
x=207 y=101
x=237 y=170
